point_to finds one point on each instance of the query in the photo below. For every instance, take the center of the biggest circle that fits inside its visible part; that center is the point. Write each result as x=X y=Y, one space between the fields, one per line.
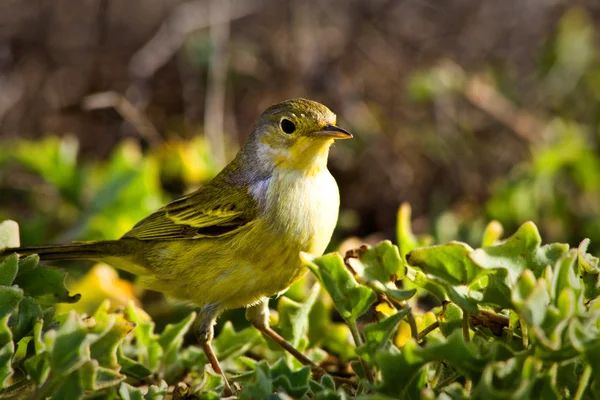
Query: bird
x=235 y=241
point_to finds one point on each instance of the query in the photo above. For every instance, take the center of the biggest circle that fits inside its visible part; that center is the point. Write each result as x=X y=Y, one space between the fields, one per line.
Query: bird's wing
x=214 y=210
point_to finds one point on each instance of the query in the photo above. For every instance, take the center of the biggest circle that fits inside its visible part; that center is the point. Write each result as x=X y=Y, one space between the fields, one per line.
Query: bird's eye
x=287 y=126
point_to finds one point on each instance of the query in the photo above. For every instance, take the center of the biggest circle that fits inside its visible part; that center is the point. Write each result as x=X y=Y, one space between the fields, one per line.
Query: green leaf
x=69 y=349
x=449 y=262
x=531 y=298
x=8 y=269
x=6 y=354
x=497 y=289
x=172 y=337
x=450 y=318
x=10 y=297
x=565 y=277
x=293 y=316
x=69 y=387
x=377 y=335
x=149 y=351
x=46 y=285
x=129 y=392
x=519 y=252
x=295 y=383
x=588 y=270
x=379 y=267
x=28 y=263
x=130 y=367
x=38 y=367
x=231 y=343
x=159 y=392
x=104 y=349
x=466 y=358
x=407 y=242
x=492 y=233
x=350 y=299
x=381 y=263
x=513 y=379
x=261 y=387
x=29 y=313
x=94 y=377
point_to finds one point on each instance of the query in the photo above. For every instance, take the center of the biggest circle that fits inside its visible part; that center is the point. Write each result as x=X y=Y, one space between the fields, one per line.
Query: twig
x=127 y=110
x=428 y=330
x=485 y=97
x=583 y=382
x=465 y=326
x=358 y=343
x=185 y=19
x=215 y=93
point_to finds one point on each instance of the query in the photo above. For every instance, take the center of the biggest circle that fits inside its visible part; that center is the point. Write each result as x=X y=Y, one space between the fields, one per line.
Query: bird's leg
x=258 y=315
x=204 y=329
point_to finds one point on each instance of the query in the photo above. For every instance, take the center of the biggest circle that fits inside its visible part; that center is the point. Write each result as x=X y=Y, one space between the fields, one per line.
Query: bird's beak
x=334 y=132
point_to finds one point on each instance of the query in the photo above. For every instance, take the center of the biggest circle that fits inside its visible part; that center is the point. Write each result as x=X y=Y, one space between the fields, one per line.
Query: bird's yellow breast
x=298 y=213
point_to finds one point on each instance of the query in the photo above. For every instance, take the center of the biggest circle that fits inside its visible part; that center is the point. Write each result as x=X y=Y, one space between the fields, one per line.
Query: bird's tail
x=97 y=251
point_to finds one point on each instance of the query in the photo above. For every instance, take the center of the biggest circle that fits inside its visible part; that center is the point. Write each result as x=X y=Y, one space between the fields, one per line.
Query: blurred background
x=469 y=110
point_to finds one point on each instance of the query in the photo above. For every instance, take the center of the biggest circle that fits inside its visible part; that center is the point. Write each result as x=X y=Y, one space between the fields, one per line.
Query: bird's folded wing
x=205 y=213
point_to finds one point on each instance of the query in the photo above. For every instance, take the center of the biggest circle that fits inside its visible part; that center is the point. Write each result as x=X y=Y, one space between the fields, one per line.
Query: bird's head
x=295 y=135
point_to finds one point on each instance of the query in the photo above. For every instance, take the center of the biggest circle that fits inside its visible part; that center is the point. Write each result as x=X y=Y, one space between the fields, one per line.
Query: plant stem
x=427 y=330
x=436 y=375
x=357 y=343
x=583 y=382
x=524 y=332
x=465 y=326
x=20 y=390
x=448 y=380
x=414 y=331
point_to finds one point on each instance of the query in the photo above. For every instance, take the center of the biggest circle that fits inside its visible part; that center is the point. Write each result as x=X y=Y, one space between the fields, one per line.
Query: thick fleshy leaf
x=514 y=379
x=69 y=387
x=565 y=277
x=171 y=338
x=379 y=267
x=408 y=362
x=8 y=269
x=129 y=392
x=589 y=271
x=531 y=298
x=149 y=351
x=69 y=345
x=406 y=239
x=46 y=285
x=519 y=252
x=294 y=383
x=350 y=299
x=448 y=262
x=131 y=367
x=231 y=343
x=381 y=263
x=6 y=354
x=294 y=318
x=492 y=233
x=104 y=349
x=94 y=377
x=28 y=263
x=261 y=387
x=38 y=367
x=29 y=313
x=157 y=392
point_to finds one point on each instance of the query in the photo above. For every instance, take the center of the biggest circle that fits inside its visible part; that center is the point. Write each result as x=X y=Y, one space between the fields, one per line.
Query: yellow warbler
x=236 y=241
